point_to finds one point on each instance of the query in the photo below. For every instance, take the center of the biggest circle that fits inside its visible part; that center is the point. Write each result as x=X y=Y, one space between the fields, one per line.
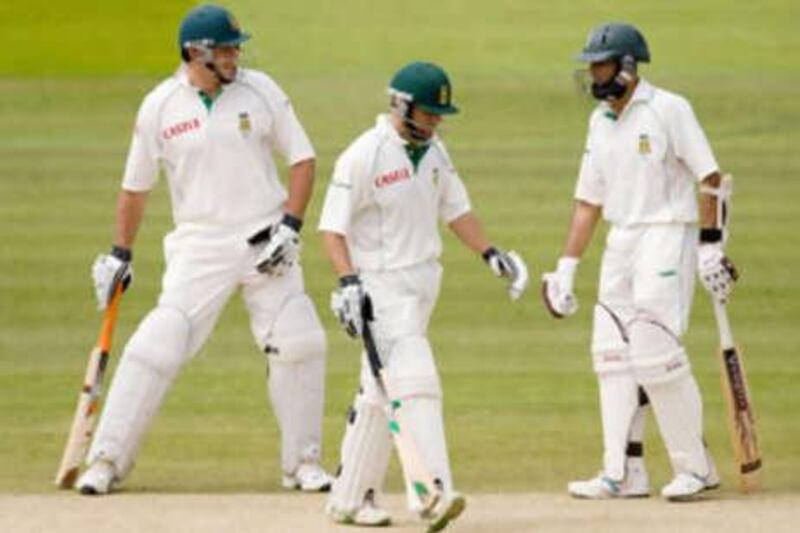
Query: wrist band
x=710 y=235
x=349 y=279
x=122 y=253
x=292 y=221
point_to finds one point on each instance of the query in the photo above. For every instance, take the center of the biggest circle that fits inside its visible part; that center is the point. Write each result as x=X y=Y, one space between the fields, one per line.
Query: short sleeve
x=454 y=199
x=142 y=165
x=341 y=197
x=590 y=186
x=690 y=142
x=288 y=136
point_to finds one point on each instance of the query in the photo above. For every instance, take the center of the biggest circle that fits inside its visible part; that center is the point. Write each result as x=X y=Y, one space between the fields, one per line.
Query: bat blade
x=741 y=417
x=741 y=420
x=82 y=428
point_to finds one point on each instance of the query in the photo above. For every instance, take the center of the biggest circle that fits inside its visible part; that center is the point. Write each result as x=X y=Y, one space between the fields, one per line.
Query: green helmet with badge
x=614 y=41
x=209 y=26
x=424 y=85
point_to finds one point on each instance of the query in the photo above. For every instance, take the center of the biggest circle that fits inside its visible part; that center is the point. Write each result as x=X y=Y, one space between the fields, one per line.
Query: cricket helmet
x=208 y=26
x=425 y=86
x=615 y=41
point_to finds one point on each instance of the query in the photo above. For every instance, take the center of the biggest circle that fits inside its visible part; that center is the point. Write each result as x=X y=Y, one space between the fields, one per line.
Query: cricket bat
x=80 y=434
x=416 y=473
x=741 y=419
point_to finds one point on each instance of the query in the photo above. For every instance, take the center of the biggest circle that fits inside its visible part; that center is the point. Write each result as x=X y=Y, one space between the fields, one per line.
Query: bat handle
x=723 y=324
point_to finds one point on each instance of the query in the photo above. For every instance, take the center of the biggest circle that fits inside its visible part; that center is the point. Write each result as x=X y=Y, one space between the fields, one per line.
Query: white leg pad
x=413 y=380
x=365 y=453
x=296 y=347
x=150 y=361
x=679 y=413
x=662 y=368
x=609 y=341
x=619 y=401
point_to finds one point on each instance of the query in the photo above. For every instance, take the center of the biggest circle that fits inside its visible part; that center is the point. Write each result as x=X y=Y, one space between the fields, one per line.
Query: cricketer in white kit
x=389 y=190
x=645 y=156
x=212 y=128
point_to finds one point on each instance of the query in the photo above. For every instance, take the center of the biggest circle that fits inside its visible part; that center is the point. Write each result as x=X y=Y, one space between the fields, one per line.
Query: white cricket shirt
x=642 y=167
x=219 y=162
x=387 y=210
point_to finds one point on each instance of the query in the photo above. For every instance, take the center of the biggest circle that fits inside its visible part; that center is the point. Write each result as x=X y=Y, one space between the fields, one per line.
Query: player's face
x=426 y=122
x=226 y=59
x=602 y=71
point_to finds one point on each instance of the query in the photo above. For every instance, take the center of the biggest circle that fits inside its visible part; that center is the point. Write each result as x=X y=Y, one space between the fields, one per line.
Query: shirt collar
x=643 y=92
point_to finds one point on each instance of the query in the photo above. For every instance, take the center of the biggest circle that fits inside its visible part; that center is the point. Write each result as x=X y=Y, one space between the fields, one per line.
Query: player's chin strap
x=723 y=195
x=208 y=61
x=615 y=88
x=403 y=103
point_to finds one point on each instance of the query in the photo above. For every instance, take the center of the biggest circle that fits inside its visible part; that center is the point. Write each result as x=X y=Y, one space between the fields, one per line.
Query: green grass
x=520 y=396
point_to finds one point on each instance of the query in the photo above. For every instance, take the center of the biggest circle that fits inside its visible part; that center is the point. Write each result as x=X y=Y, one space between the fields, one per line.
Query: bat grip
x=723 y=325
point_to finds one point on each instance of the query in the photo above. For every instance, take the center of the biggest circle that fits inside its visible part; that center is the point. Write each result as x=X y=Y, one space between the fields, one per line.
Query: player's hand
x=347 y=302
x=282 y=249
x=558 y=288
x=508 y=265
x=107 y=271
x=717 y=273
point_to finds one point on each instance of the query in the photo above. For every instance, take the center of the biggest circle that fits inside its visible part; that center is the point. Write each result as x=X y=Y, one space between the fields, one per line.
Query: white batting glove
x=108 y=270
x=347 y=302
x=717 y=273
x=508 y=265
x=282 y=249
x=558 y=288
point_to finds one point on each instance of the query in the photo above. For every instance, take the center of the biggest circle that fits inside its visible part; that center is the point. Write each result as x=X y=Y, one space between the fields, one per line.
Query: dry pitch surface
x=261 y=513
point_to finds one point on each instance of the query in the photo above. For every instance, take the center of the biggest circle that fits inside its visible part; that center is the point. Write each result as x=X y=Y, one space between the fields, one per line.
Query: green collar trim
x=416 y=153
x=207 y=100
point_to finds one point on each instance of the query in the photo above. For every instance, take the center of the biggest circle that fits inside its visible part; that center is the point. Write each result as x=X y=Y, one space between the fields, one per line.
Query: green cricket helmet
x=209 y=26
x=615 y=41
x=424 y=85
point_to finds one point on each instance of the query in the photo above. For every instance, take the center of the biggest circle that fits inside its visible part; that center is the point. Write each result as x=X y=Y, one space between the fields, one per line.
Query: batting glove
x=347 y=302
x=108 y=271
x=558 y=288
x=509 y=266
x=283 y=246
x=717 y=273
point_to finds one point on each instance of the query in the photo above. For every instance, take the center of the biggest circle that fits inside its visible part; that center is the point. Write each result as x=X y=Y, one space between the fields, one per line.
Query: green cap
x=424 y=85
x=210 y=26
x=613 y=41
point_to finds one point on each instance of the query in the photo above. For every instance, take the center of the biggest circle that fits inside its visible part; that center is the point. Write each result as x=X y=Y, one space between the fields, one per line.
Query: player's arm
x=508 y=265
x=581 y=228
x=301 y=185
x=335 y=245
x=717 y=273
x=558 y=286
x=130 y=212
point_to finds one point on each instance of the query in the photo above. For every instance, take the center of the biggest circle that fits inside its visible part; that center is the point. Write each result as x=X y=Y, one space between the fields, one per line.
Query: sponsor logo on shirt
x=180 y=128
x=390 y=178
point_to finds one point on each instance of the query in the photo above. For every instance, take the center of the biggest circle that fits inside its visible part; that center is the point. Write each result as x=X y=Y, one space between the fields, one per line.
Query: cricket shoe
x=98 y=479
x=687 y=487
x=368 y=515
x=309 y=477
x=447 y=510
x=601 y=487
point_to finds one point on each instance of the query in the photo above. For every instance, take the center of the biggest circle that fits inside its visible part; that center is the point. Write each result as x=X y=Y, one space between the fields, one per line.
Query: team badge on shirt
x=644 y=144
x=244 y=123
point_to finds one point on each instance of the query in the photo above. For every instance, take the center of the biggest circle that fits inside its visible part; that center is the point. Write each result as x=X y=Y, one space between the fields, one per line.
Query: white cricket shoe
x=309 y=477
x=601 y=487
x=98 y=479
x=684 y=487
x=445 y=512
x=368 y=515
